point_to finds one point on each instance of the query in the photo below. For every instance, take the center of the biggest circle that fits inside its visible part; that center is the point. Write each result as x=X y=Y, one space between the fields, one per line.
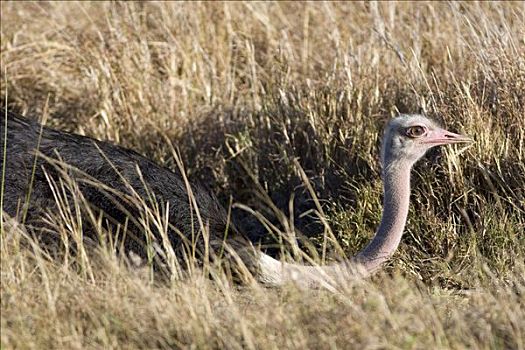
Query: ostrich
x=102 y=169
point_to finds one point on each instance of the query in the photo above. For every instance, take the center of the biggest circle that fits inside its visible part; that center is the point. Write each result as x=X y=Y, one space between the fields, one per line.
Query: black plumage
x=111 y=179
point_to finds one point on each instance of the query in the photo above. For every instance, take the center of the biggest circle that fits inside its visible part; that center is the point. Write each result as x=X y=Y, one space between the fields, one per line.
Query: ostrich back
x=110 y=179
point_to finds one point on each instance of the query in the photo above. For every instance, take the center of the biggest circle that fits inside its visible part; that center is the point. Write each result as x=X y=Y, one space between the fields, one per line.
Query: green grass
x=250 y=93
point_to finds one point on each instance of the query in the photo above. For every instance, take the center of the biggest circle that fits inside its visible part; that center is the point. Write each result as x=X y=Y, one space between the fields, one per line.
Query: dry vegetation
x=247 y=91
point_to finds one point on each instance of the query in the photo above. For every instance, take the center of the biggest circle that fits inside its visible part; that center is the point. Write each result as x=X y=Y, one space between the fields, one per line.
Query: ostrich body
x=406 y=139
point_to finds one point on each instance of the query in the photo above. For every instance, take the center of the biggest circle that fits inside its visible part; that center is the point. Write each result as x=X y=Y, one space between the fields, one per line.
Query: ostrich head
x=408 y=137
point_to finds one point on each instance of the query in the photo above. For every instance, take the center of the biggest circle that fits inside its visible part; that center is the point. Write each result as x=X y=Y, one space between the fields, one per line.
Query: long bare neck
x=396 y=184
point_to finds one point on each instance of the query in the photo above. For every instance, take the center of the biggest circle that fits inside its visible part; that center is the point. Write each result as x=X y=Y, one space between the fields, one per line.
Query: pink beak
x=443 y=137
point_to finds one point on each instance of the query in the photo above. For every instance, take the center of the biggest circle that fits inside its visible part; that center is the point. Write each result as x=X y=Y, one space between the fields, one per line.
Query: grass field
x=248 y=92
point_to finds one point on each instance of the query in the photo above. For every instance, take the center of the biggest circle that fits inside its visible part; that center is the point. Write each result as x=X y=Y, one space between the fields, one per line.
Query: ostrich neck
x=396 y=184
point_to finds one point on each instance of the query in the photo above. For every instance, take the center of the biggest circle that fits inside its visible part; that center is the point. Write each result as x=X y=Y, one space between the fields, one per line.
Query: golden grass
x=247 y=91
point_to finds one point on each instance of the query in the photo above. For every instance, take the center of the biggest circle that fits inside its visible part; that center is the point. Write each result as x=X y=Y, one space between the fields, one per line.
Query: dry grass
x=247 y=90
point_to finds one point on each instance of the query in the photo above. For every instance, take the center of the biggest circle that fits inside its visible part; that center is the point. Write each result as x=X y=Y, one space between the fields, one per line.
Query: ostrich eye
x=415 y=131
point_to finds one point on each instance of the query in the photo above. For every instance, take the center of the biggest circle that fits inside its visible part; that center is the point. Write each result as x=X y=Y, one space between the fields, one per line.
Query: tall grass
x=252 y=95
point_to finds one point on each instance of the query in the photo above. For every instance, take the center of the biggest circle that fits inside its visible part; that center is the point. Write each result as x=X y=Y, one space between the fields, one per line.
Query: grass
x=251 y=93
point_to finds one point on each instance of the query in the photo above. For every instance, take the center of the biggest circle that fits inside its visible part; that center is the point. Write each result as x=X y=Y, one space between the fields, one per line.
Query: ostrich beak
x=443 y=137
